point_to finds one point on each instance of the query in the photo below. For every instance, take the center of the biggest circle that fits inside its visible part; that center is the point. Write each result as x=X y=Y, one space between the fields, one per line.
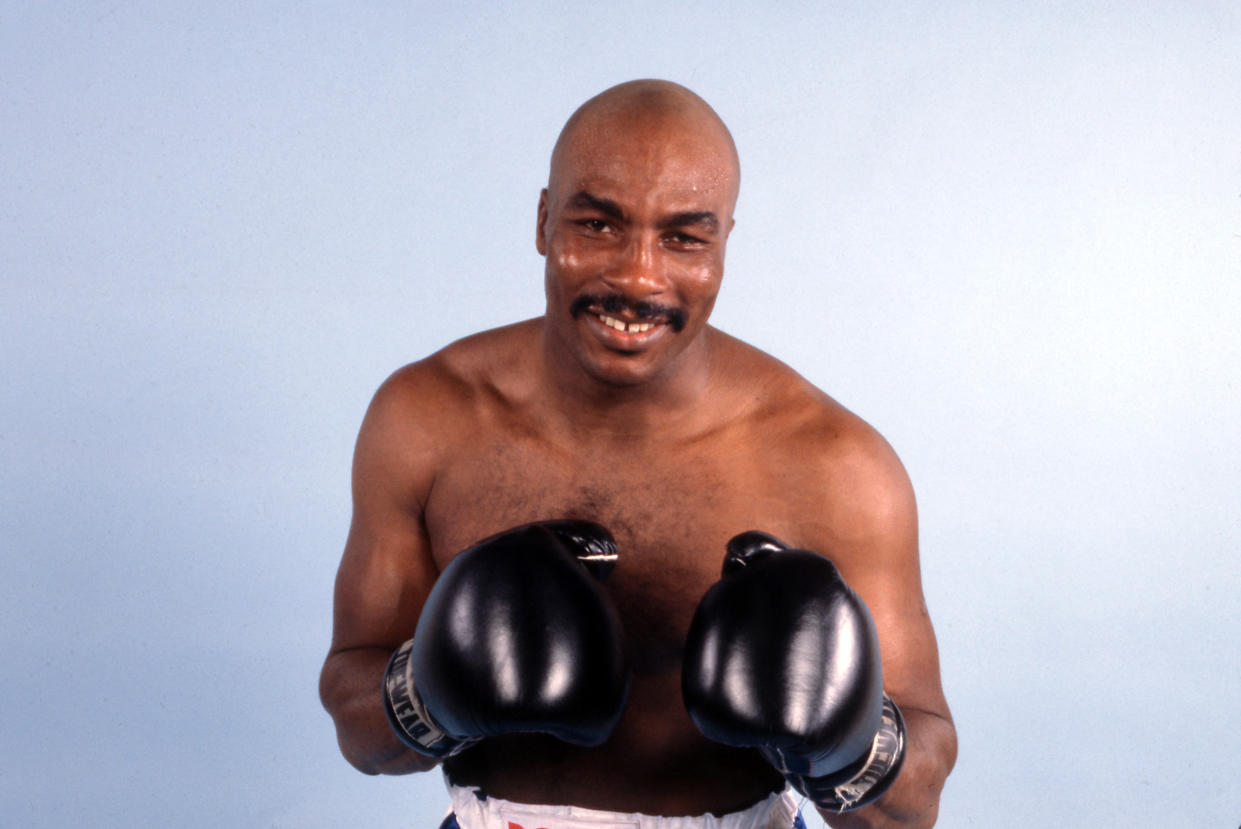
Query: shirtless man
x=622 y=406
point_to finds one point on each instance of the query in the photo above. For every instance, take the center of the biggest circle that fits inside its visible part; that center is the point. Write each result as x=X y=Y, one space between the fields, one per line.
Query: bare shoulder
x=425 y=408
x=437 y=390
x=469 y=365
x=846 y=472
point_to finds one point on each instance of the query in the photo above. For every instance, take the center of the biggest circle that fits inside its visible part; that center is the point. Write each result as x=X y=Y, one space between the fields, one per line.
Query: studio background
x=1008 y=235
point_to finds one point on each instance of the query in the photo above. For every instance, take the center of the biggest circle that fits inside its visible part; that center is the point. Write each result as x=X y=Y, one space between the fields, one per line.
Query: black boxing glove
x=516 y=636
x=783 y=656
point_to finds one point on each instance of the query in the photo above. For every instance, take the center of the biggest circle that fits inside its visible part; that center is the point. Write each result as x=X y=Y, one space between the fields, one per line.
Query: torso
x=672 y=503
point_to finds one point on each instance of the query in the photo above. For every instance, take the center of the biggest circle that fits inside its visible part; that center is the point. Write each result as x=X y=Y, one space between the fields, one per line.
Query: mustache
x=643 y=310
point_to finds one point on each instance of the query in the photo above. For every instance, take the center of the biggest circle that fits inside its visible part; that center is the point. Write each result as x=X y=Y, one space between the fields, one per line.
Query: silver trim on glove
x=886 y=753
x=408 y=715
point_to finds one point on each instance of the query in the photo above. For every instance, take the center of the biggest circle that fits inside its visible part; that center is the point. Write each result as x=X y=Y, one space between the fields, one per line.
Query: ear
x=540 y=230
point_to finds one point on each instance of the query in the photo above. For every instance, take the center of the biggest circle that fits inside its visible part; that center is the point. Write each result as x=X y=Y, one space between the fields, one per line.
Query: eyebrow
x=584 y=200
x=705 y=219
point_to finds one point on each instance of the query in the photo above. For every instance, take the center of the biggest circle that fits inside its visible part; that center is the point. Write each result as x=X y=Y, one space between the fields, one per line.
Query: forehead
x=666 y=157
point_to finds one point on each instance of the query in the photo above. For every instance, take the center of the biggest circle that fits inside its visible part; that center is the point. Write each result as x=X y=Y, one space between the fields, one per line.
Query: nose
x=638 y=271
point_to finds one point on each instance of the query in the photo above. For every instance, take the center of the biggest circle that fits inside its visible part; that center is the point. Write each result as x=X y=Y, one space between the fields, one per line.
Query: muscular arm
x=871 y=533
x=384 y=578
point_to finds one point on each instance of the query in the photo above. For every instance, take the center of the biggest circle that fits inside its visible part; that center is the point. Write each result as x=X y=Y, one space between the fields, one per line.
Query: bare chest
x=672 y=510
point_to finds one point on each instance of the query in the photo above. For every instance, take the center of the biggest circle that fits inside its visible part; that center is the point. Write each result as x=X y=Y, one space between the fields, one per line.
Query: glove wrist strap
x=408 y=715
x=887 y=753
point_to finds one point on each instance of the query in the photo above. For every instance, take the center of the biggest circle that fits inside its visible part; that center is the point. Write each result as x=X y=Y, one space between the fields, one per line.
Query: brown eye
x=685 y=240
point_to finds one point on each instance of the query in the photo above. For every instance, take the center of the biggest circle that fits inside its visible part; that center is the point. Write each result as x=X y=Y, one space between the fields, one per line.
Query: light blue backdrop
x=1007 y=234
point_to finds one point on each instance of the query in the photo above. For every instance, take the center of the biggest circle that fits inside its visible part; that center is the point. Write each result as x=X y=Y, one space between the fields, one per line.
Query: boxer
x=718 y=676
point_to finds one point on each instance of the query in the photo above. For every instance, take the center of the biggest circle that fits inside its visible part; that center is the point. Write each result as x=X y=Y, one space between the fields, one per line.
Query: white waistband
x=474 y=812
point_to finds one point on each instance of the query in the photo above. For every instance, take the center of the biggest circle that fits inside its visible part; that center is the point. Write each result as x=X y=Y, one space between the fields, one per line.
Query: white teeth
x=631 y=328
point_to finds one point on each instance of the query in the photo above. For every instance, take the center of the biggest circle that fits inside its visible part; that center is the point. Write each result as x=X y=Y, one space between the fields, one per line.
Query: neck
x=661 y=405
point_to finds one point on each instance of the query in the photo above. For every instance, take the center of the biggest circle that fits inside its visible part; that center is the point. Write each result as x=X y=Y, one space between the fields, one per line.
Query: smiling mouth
x=626 y=327
x=619 y=314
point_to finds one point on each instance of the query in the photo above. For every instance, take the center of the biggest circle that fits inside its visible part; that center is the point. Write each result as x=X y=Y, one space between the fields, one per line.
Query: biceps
x=384 y=578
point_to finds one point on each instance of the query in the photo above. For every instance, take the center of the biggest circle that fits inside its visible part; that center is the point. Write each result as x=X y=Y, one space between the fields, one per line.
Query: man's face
x=633 y=225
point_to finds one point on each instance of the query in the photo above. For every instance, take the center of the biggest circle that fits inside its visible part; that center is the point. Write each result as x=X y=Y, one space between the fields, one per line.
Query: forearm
x=350 y=689
x=913 y=800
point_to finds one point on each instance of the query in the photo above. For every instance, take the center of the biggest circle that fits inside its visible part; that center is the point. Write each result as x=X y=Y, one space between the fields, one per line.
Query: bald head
x=639 y=117
x=633 y=225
